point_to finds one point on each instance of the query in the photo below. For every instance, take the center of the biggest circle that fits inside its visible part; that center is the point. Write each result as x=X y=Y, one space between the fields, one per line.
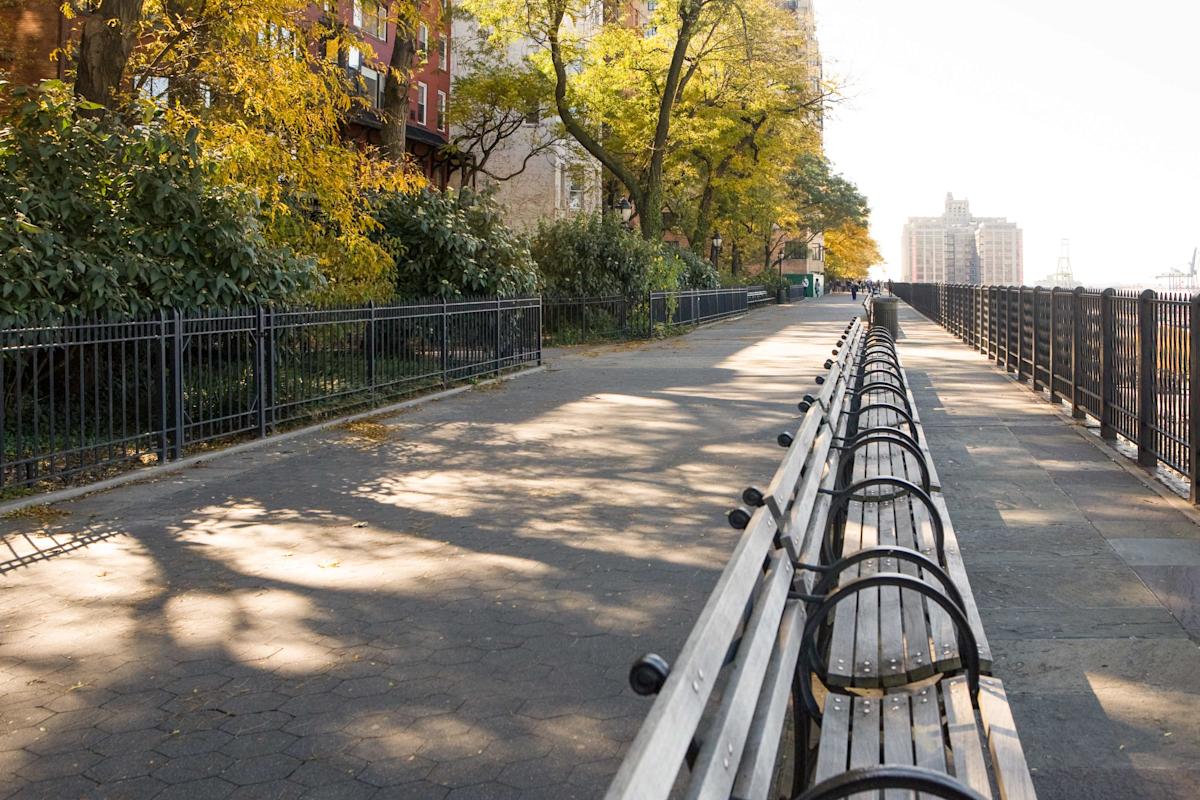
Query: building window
x=423 y=42
x=422 y=101
x=443 y=54
x=354 y=59
x=441 y=111
x=372 y=86
x=574 y=195
x=371 y=18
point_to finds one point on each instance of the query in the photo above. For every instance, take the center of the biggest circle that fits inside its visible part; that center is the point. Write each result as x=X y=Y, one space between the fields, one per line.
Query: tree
x=270 y=105
x=615 y=87
x=495 y=100
x=405 y=15
x=108 y=34
x=849 y=252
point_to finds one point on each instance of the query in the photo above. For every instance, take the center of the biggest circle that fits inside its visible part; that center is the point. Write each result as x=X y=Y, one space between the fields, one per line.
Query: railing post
x=1006 y=336
x=164 y=453
x=260 y=369
x=177 y=380
x=370 y=345
x=1147 y=374
x=980 y=344
x=539 y=327
x=1021 y=333
x=1053 y=343
x=445 y=345
x=1193 y=383
x=496 y=369
x=1077 y=353
x=1035 y=338
x=1107 y=353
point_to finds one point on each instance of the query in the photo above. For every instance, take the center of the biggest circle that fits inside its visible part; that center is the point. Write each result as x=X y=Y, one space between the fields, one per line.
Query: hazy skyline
x=1077 y=120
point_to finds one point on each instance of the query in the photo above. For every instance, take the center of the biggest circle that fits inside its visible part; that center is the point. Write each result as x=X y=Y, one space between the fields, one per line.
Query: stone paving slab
x=1086 y=581
x=444 y=603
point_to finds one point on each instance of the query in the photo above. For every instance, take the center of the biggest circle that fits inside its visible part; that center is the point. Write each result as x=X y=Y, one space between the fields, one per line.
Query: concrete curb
x=151 y=473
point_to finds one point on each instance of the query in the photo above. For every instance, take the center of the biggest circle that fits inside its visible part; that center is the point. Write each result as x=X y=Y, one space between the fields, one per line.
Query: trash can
x=885 y=314
x=781 y=296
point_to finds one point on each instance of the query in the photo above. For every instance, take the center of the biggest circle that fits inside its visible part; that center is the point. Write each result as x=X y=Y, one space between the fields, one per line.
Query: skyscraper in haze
x=959 y=248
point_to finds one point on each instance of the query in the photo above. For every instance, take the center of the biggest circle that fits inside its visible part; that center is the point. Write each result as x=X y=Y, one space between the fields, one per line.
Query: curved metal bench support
x=842 y=498
x=884 y=438
x=880 y=386
x=968 y=648
x=912 y=425
x=917 y=779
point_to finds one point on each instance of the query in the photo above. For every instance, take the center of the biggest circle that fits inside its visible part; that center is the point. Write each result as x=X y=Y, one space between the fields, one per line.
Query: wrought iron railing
x=1130 y=360
x=84 y=399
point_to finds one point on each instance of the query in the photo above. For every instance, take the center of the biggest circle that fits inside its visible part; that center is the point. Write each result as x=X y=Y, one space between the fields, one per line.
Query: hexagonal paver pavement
x=440 y=604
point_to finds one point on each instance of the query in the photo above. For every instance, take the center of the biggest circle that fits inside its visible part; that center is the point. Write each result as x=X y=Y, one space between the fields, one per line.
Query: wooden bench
x=752 y=705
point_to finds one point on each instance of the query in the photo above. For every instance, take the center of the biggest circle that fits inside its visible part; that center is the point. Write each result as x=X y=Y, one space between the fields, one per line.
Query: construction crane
x=1177 y=279
x=1063 y=276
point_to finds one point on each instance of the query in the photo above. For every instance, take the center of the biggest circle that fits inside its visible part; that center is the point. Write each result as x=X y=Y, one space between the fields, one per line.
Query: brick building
x=32 y=31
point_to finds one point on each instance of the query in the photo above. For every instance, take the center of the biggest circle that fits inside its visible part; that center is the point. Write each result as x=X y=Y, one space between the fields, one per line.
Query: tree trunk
x=393 y=137
x=105 y=44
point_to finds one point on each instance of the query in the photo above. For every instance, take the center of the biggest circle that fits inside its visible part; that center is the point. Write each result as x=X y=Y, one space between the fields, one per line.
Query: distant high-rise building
x=959 y=248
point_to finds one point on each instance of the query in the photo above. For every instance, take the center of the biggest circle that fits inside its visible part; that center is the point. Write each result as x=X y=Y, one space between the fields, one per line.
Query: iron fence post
x=1193 y=382
x=1035 y=344
x=1146 y=365
x=1077 y=352
x=1107 y=374
x=496 y=368
x=260 y=369
x=1021 y=333
x=164 y=453
x=177 y=379
x=445 y=345
x=370 y=346
x=1053 y=348
x=539 y=330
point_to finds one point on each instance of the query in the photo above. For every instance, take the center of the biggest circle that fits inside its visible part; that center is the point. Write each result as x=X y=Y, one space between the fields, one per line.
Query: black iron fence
x=1130 y=360
x=88 y=399
x=82 y=400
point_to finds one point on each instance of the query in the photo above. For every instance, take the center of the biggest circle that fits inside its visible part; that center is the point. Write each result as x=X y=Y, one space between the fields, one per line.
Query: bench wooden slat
x=835 y=738
x=1008 y=759
x=944 y=639
x=866 y=634
x=864 y=738
x=717 y=763
x=897 y=738
x=927 y=729
x=892 y=630
x=660 y=746
x=756 y=774
x=963 y=733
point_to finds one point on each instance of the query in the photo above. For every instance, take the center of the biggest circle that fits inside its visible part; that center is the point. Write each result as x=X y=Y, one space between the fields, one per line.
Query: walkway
x=445 y=603
x=1087 y=581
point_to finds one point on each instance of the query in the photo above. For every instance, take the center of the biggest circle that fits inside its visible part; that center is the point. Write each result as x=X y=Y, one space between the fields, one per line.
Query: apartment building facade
x=535 y=173
x=32 y=32
x=957 y=247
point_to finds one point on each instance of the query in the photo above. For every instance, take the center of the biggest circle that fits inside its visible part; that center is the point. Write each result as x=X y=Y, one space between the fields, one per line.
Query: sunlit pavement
x=1087 y=581
x=446 y=604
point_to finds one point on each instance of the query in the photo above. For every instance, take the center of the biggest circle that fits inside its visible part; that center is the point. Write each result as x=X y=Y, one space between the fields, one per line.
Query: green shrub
x=593 y=255
x=450 y=244
x=97 y=216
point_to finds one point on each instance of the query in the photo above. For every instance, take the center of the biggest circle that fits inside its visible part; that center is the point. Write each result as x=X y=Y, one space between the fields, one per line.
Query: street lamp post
x=716 y=250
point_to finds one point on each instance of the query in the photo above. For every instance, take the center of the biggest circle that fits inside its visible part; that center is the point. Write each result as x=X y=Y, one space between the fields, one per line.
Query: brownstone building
x=33 y=31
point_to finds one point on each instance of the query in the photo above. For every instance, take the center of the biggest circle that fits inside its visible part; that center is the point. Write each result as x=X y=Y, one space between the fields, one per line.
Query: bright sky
x=1076 y=119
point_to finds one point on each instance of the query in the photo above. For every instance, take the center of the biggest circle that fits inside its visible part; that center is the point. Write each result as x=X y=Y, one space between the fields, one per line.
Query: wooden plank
x=958 y=573
x=1008 y=759
x=918 y=661
x=834 y=747
x=717 y=763
x=928 y=745
x=756 y=773
x=897 y=738
x=941 y=627
x=966 y=747
x=864 y=738
x=866 y=638
x=845 y=616
x=891 y=618
x=656 y=753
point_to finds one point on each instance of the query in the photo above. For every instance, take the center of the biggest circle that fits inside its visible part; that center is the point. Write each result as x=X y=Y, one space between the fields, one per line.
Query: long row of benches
x=841 y=652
